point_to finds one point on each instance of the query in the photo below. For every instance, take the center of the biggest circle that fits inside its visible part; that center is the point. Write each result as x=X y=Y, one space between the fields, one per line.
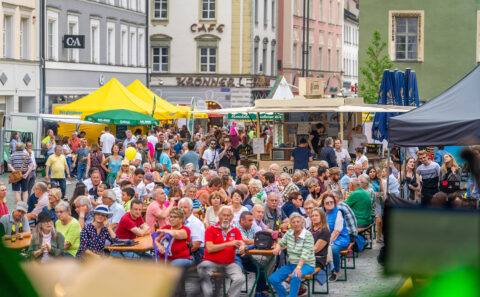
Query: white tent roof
x=341 y=108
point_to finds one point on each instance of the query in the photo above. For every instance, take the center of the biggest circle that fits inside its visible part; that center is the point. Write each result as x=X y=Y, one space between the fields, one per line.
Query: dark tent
x=451 y=118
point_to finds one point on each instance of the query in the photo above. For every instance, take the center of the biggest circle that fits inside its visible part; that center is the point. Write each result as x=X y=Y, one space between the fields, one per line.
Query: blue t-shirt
x=165 y=159
x=301 y=156
x=178 y=147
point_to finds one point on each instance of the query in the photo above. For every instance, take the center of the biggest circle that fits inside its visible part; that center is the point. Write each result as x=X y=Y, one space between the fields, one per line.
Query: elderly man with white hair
x=197 y=229
x=288 y=185
x=367 y=186
x=221 y=242
x=83 y=206
x=256 y=190
x=359 y=201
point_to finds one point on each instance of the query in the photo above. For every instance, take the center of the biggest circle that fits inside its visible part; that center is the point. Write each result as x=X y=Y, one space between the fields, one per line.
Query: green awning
x=122 y=117
x=264 y=116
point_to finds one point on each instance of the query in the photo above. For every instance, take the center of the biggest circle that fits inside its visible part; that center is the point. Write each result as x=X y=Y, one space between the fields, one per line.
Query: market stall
x=296 y=117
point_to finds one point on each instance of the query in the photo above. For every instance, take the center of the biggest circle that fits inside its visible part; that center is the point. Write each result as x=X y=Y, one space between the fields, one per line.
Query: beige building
x=19 y=82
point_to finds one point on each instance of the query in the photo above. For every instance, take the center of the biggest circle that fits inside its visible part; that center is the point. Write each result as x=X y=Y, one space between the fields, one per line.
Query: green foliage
x=373 y=69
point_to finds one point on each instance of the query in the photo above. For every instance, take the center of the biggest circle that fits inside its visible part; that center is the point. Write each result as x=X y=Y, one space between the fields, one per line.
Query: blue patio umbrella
x=399 y=87
x=412 y=90
x=385 y=96
x=407 y=78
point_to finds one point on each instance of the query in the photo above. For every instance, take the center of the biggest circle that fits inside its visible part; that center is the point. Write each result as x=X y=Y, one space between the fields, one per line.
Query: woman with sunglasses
x=95 y=234
x=172 y=242
x=339 y=239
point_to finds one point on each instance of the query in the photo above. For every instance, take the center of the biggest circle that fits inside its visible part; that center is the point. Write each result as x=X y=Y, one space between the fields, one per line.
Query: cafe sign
x=206 y=28
x=225 y=82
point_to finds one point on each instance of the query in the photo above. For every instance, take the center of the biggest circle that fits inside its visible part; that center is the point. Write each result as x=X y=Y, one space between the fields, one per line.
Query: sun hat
x=102 y=209
x=125 y=162
x=44 y=217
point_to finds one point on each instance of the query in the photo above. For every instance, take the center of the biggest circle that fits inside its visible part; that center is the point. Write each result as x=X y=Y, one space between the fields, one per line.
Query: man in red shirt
x=131 y=226
x=221 y=241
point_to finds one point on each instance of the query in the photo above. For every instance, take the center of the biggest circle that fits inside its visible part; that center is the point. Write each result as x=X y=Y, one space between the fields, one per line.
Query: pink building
x=325 y=41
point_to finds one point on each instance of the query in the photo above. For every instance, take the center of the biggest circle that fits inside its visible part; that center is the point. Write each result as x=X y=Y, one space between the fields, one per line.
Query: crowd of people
x=204 y=205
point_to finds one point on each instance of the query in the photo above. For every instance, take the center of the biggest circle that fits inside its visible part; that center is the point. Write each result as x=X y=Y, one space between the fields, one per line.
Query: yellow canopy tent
x=113 y=95
x=146 y=95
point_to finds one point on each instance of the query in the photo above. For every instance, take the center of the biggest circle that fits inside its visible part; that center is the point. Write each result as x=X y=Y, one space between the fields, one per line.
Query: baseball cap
x=23 y=206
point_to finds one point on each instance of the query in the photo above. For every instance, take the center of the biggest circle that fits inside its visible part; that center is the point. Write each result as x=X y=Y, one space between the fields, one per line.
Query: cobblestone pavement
x=366 y=280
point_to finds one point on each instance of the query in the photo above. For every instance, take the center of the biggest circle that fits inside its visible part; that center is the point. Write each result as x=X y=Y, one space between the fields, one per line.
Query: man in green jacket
x=359 y=201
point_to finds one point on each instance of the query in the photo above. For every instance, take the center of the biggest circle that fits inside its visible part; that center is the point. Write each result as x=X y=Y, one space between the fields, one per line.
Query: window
x=272 y=62
x=133 y=47
x=95 y=41
x=111 y=2
x=339 y=13
x=141 y=47
x=406 y=38
x=8 y=36
x=24 y=39
x=208 y=59
x=320 y=58
x=329 y=60
x=160 y=59
x=265 y=12
x=264 y=60
x=294 y=58
x=124 y=3
x=111 y=43
x=273 y=14
x=320 y=10
x=337 y=64
x=141 y=5
x=133 y=4
x=311 y=6
x=160 y=9
x=406 y=44
x=256 y=11
x=72 y=54
x=255 y=59
x=330 y=12
x=52 y=35
x=208 y=9
x=124 y=45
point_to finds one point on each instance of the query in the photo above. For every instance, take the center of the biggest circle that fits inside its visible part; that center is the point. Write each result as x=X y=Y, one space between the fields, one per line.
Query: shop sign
x=73 y=41
x=197 y=28
x=253 y=116
x=224 y=82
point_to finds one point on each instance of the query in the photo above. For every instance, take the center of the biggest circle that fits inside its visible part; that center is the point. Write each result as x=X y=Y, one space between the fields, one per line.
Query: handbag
x=17 y=175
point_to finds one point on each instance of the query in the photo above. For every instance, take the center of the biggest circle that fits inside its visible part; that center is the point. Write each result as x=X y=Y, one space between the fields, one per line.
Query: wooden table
x=257 y=275
x=145 y=243
x=19 y=244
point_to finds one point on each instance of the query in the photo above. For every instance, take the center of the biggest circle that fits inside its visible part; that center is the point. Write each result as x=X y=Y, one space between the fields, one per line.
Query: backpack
x=263 y=240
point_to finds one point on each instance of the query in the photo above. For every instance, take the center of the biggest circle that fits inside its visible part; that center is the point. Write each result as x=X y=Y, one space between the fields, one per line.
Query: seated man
x=359 y=201
x=40 y=190
x=258 y=213
x=17 y=221
x=197 y=229
x=221 y=241
x=275 y=218
x=131 y=226
x=348 y=215
x=110 y=200
x=84 y=208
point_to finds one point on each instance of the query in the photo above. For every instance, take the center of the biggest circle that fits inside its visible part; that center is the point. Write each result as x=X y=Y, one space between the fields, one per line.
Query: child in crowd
x=127 y=195
x=100 y=194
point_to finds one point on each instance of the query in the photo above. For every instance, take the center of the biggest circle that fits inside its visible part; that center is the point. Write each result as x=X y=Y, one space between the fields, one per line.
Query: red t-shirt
x=215 y=235
x=179 y=248
x=126 y=224
x=75 y=144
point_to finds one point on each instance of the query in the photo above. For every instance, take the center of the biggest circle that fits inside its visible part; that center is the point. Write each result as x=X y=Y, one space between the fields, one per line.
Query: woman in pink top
x=157 y=212
x=3 y=196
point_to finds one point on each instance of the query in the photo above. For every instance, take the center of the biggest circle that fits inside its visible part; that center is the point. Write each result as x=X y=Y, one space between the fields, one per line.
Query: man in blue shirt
x=301 y=156
x=130 y=138
x=439 y=155
x=165 y=158
x=328 y=153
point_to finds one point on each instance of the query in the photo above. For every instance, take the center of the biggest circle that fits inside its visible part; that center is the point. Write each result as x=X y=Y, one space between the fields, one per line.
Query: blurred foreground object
x=104 y=277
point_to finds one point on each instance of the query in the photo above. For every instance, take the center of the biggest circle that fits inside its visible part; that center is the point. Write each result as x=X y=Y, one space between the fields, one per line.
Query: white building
x=350 y=47
x=19 y=72
x=216 y=51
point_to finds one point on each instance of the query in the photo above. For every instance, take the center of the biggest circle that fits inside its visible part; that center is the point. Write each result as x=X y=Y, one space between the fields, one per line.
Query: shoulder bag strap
x=24 y=160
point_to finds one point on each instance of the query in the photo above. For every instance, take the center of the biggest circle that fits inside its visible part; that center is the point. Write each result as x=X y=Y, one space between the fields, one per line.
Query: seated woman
x=46 y=243
x=256 y=190
x=321 y=236
x=339 y=239
x=69 y=227
x=54 y=196
x=211 y=215
x=308 y=206
x=294 y=203
x=299 y=243
x=237 y=207
x=95 y=234
x=450 y=175
x=173 y=240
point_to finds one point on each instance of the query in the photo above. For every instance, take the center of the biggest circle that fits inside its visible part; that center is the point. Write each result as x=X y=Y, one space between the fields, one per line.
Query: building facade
x=350 y=48
x=324 y=44
x=440 y=40
x=19 y=72
x=110 y=40
x=219 y=52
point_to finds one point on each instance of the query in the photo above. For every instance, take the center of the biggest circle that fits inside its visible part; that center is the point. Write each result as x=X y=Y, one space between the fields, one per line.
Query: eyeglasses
x=308 y=208
x=329 y=202
x=173 y=217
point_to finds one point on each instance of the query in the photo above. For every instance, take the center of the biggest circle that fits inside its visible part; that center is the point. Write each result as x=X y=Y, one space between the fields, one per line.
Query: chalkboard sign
x=120 y=131
x=374 y=149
